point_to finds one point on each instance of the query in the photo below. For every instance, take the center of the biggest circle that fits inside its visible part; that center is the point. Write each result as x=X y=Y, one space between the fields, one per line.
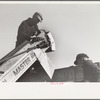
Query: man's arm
x=27 y=31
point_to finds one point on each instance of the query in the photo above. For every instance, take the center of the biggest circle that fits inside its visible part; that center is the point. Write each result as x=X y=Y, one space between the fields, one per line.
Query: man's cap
x=80 y=56
x=39 y=16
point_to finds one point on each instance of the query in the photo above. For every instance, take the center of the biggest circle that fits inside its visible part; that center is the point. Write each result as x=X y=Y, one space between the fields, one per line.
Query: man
x=28 y=28
x=89 y=68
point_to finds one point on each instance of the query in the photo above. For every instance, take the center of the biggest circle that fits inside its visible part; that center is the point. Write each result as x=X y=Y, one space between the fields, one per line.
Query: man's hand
x=36 y=39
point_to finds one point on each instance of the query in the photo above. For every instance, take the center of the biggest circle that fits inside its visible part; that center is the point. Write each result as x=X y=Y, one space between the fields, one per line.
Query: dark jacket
x=90 y=71
x=26 y=29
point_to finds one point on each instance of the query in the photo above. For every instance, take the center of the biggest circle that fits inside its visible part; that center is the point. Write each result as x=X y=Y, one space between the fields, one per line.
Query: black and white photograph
x=55 y=43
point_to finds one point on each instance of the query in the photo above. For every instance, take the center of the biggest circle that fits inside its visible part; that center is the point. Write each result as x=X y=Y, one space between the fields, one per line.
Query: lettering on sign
x=22 y=65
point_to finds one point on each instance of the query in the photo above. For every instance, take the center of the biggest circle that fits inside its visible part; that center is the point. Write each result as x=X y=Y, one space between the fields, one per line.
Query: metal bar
x=26 y=51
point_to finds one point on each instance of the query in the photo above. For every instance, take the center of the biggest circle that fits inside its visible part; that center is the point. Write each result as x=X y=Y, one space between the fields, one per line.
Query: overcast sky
x=75 y=28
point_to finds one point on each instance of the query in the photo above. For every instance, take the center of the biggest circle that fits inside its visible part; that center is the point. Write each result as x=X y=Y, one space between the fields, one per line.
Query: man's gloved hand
x=43 y=44
x=36 y=39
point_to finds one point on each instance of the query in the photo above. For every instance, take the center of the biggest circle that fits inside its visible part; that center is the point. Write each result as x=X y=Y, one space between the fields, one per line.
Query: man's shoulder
x=24 y=23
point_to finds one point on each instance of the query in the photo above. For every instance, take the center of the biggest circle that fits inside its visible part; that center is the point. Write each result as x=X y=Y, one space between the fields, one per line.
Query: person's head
x=37 y=17
x=80 y=57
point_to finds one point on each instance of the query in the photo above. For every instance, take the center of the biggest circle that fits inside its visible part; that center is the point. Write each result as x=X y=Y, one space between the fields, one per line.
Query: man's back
x=26 y=29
